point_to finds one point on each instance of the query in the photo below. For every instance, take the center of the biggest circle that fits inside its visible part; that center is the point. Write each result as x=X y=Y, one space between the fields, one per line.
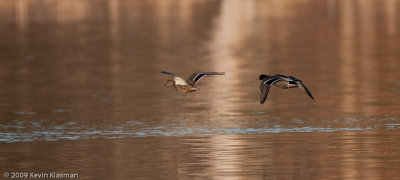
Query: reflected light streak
x=115 y=54
x=347 y=52
x=225 y=156
x=367 y=20
x=21 y=18
x=185 y=11
x=162 y=10
x=182 y=10
x=22 y=22
x=391 y=11
x=114 y=34
x=231 y=29
x=72 y=11
x=349 y=165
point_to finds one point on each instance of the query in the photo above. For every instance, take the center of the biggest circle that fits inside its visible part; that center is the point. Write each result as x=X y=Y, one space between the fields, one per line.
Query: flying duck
x=189 y=85
x=280 y=81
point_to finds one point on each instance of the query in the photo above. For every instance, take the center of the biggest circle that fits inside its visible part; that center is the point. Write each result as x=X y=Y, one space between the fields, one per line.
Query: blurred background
x=81 y=88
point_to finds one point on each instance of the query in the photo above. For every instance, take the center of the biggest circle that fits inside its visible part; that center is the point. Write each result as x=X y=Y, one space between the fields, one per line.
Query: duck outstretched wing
x=304 y=88
x=195 y=77
x=264 y=87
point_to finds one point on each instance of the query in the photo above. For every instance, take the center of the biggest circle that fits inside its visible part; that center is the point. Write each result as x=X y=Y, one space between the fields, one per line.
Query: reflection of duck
x=280 y=81
x=189 y=85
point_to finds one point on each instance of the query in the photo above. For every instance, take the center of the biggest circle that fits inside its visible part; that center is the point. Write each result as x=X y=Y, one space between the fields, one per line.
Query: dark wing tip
x=305 y=89
x=214 y=73
x=165 y=72
x=263 y=98
x=262 y=101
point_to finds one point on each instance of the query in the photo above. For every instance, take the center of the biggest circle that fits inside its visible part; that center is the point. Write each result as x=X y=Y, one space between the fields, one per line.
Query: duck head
x=262 y=76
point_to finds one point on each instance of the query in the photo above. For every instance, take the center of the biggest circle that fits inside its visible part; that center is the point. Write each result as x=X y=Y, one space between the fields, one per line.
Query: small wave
x=54 y=133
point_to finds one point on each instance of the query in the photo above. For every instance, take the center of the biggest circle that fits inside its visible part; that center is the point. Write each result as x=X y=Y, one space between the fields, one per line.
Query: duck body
x=280 y=81
x=183 y=86
x=189 y=85
x=185 y=89
x=285 y=84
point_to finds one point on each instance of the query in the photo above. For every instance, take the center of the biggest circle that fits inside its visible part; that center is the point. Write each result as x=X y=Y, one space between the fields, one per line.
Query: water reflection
x=229 y=43
x=267 y=156
x=368 y=60
x=390 y=9
x=347 y=51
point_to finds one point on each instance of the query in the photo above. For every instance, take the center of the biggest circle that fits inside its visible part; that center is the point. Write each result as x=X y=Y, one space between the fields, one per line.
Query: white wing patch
x=201 y=76
x=179 y=81
x=268 y=82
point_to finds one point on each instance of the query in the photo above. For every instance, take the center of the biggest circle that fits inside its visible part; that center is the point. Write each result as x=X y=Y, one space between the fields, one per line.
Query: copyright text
x=40 y=175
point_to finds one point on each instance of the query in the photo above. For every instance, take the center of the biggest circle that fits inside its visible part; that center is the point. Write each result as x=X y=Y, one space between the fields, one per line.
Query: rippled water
x=22 y=131
x=82 y=89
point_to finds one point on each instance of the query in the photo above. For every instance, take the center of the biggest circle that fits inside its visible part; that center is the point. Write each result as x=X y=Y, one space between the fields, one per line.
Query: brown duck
x=189 y=85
